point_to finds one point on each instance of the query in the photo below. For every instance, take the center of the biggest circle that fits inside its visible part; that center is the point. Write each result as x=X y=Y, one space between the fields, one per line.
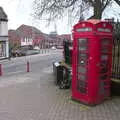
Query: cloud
x=18 y=11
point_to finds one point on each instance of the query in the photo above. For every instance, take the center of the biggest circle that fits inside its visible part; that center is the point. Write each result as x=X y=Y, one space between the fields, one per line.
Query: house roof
x=28 y=31
x=3 y=16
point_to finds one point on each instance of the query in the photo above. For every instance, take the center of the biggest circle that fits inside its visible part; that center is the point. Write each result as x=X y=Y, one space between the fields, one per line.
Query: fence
x=116 y=59
x=116 y=53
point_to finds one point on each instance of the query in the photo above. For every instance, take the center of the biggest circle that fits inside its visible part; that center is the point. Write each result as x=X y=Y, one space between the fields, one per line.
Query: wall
x=3 y=28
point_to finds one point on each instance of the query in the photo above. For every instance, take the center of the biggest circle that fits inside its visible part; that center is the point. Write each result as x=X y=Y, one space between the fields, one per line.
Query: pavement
x=34 y=96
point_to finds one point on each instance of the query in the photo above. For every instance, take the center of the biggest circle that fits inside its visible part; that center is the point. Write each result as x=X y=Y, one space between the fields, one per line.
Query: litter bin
x=58 y=72
x=65 y=83
x=115 y=87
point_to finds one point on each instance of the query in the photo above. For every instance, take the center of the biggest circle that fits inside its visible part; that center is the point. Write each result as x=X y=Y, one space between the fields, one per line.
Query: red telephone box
x=92 y=59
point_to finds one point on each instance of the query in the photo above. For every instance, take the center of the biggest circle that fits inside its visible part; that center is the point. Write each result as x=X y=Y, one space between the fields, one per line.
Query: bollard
x=0 y=69
x=28 y=66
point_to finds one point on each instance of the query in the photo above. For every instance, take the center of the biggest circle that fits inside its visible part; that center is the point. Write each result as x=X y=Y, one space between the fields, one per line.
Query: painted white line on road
x=11 y=73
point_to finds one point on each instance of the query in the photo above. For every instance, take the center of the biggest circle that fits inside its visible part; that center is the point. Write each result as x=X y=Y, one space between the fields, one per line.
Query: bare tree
x=99 y=7
x=55 y=9
x=117 y=1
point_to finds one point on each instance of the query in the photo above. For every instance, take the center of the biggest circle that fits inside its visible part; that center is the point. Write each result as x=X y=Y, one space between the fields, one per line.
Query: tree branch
x=104 y=5
x=91 y=2
x=117 y=1
x=71 y=4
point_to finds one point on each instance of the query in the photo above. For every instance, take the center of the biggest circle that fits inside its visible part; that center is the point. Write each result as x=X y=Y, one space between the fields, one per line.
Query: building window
x=2 y=49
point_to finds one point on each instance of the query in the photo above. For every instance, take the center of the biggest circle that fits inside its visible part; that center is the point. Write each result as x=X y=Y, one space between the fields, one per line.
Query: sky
x=19 y=12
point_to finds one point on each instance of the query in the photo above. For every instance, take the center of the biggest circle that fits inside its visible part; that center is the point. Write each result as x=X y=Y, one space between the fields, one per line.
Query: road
x=36 y=62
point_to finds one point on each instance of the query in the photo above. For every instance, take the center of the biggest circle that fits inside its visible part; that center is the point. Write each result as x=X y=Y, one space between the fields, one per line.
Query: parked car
x=18 y=53
x=23 y=51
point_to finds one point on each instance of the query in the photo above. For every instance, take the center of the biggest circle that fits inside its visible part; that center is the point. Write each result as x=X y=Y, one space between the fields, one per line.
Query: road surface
x=36 y=62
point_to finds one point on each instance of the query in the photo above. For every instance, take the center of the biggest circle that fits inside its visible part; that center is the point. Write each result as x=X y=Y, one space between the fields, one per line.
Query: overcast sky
x=19 y=11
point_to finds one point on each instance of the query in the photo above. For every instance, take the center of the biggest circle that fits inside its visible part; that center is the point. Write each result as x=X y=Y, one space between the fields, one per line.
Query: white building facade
x=4 y=45
x=25 y=41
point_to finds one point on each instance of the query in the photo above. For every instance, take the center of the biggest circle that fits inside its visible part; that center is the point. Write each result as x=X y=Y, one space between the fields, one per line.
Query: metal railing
x=116 y=59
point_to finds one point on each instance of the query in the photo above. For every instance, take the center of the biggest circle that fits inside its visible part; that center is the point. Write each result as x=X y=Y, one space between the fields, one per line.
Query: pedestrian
x=10 y=50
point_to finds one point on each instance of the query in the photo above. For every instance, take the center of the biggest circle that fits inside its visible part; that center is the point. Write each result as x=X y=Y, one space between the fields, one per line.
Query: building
x=57 y=40
x=26 y=35
x=4 y=47
x=29 y=35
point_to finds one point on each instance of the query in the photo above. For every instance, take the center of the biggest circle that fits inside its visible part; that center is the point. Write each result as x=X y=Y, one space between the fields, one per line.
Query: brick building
x=25 y=35
x=29 y=35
